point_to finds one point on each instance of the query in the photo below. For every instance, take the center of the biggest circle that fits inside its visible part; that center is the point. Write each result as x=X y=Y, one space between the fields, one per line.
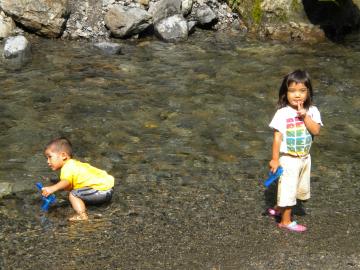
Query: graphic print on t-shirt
x=298 y=138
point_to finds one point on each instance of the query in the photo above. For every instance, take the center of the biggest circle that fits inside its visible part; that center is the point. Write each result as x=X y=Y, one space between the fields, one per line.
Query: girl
x=295 y=124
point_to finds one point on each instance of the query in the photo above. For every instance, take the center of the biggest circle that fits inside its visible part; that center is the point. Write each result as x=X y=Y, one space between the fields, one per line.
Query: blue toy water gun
x=273 y=176
x=47 y=201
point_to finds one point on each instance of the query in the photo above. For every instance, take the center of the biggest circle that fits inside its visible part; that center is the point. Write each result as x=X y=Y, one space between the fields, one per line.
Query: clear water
x=184 y=129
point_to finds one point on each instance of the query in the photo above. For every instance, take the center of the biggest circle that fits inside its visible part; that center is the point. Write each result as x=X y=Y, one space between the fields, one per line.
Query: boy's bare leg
x=79 y=207
x=286 y=215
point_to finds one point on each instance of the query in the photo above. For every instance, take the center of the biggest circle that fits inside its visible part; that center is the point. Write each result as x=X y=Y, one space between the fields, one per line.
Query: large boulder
x=300 y=20
x=44 y=17
x=172 y=29
x=124 y=22
x=164 y=9
x=7 y=25
x=17 y=52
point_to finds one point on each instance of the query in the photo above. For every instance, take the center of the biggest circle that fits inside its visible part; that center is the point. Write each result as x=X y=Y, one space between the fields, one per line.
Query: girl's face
x=297 y=94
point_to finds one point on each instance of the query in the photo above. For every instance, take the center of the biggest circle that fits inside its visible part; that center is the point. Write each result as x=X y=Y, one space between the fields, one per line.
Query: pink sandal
x=274 y=212
x=293 y=226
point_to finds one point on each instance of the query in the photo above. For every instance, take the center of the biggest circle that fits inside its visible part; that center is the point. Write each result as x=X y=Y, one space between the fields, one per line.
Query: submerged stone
x=108 y=47
x=5 y=189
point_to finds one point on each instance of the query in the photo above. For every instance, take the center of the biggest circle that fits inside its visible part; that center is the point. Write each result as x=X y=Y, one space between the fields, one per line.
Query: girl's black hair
x=297 y=76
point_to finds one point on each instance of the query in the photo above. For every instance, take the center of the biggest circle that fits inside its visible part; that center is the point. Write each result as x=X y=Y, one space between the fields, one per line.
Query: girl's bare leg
x=79 y=207
x=285 y=215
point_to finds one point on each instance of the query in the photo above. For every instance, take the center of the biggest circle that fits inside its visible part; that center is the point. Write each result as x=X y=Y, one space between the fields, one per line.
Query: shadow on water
x=337 y=18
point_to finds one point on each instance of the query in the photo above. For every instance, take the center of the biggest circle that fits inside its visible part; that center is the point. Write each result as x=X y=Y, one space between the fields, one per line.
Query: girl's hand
x=274 y=165
x=46 y=191
x=301 y=112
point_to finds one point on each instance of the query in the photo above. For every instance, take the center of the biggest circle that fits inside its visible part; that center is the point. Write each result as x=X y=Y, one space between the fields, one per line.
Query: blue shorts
x=93 y=196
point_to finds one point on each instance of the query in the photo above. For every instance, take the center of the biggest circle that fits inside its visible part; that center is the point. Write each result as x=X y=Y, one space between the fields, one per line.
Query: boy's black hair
x=61 y=144
x=297 y=76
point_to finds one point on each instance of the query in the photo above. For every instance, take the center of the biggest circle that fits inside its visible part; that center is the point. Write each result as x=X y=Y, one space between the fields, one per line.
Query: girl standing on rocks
x=295 y=124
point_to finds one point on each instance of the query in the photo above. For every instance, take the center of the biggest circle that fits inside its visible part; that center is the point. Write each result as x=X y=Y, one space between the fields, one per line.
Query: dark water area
x=184 y=130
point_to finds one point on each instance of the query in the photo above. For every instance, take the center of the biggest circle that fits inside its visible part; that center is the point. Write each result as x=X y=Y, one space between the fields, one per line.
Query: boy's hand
x=46 y=191
x=301 y=112
x=274 y=165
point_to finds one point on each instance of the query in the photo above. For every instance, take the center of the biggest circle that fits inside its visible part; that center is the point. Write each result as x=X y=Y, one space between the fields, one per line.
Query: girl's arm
x=274 y=163
x=311 y=125
x=63 y=184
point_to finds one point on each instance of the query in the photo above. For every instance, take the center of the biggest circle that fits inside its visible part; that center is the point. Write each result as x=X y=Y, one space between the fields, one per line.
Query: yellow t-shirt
x=81 y=175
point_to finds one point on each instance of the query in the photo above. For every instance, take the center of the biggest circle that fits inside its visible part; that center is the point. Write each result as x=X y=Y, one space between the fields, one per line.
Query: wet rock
x=7 y=25
x=17 y=52
x=124 y=22
x=164 y=9
x=44 y=17
x=205 y=15
x=5 y=189
x=172 y=29
x=108 y=47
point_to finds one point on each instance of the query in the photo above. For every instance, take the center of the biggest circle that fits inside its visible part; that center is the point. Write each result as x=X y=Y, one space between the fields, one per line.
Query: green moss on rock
x=256 y=12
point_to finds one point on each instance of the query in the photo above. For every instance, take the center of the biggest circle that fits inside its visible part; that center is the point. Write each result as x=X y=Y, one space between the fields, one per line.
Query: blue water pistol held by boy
x=273 y=176
x=47 y=201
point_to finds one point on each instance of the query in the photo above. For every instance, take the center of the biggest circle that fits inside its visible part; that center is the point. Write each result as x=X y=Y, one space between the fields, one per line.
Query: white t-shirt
x=296 y=139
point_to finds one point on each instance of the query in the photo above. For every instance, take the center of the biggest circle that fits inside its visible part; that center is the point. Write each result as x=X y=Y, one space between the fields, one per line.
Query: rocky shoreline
x=170 y=21
x=175 y=20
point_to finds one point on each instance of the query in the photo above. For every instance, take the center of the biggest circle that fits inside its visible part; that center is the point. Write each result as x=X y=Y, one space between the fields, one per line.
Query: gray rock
x=205 y=15
x=164 y=9
x=108 y=47
x=172 y=29
x=124 y=22
x=191 y=26
x=17 y=52
x=5 y=189
x=44 y=17
x=7 y=25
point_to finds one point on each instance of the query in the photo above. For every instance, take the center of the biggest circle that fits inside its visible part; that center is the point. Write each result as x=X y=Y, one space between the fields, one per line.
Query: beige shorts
x=295 y=180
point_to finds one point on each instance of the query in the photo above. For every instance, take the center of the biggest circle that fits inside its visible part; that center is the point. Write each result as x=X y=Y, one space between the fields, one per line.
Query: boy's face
x=55 y=159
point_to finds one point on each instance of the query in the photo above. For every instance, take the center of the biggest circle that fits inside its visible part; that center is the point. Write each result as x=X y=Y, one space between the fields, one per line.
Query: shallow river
x=184 y=129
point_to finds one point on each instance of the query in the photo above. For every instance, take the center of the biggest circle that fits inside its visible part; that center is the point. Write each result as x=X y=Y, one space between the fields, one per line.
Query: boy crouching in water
x=87 y=184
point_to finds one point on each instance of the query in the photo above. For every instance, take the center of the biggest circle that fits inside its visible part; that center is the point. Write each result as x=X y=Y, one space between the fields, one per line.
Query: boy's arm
x=62 y=184
x=274 y=163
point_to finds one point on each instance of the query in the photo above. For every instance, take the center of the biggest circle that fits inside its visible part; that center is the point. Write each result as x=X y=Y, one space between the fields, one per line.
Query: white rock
x=16 y=47
x=186 y=6
x=172 y=29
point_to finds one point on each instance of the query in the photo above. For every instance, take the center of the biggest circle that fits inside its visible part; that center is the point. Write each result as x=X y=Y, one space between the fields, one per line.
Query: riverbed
x=184 y=130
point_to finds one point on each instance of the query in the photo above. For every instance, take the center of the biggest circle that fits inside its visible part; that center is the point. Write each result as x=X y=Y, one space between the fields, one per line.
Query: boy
x=86 y=184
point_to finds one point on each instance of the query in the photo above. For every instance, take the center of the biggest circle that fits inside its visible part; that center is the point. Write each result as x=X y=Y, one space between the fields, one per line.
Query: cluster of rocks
x=174 y=20
x=93 y=19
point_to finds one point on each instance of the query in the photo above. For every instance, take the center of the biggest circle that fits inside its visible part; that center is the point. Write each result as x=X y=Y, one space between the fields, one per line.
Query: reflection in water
x=184 y=129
